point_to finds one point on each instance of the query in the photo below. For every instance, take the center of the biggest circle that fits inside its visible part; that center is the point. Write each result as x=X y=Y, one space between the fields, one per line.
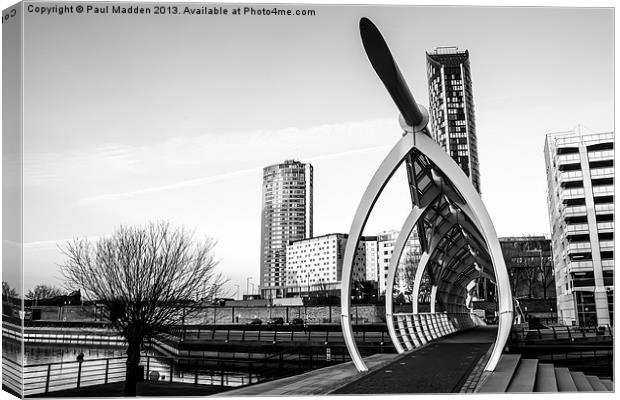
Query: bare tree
x=214 y=290
x=411 y=261
x=43 y=291
x=321 y=290
x=426 y=286
x=7 y=291
x=148 y=278
x=9 y=298
x=409 y=269
x=515 y=278
x=522 y=272
x=547 y=279
x=532 y=275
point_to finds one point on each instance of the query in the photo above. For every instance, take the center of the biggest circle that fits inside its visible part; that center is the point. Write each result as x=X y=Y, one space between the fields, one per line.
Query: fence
x=278 y=334
x=560 y=332
x=100 y=335
x=241 y=369
x=44 y=378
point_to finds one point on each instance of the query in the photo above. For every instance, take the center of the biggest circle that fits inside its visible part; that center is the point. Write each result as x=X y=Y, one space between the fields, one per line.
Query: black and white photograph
x=304 y=199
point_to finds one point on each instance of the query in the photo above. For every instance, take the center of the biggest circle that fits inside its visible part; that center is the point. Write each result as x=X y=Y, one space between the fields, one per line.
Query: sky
x=130 y=119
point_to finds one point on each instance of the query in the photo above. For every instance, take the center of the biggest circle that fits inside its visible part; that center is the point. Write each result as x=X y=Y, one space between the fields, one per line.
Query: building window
x=586 y=309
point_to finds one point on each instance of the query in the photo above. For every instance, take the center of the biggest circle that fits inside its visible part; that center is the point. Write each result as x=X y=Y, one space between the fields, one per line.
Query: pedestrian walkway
x=442 y=366
x=318 y=382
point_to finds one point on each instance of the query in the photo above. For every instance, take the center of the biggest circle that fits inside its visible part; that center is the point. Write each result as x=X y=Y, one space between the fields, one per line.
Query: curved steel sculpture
x=457 y=236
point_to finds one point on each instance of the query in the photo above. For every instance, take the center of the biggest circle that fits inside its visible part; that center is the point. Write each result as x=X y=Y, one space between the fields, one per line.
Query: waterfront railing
x=242 y=369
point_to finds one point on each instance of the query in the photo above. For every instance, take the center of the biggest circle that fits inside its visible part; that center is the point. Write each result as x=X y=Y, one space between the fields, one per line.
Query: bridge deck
x=439 y=367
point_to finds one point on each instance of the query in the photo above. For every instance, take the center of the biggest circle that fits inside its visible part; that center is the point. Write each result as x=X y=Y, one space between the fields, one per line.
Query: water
x=63 y=358
x=54 y=353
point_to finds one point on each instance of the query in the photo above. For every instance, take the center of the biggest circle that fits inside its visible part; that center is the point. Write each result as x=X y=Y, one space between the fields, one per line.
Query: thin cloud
x=215 y=178
x=172 y=186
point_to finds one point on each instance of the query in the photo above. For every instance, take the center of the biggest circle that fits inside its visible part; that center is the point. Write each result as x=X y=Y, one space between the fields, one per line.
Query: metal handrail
x=54 y=376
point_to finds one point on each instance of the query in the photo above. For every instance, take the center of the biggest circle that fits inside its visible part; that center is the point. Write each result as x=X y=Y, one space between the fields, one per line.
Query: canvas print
x=211 y=199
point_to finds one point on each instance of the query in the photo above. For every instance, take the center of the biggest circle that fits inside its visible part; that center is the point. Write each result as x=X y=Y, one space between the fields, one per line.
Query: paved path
x=318 y=382
x=440 y=367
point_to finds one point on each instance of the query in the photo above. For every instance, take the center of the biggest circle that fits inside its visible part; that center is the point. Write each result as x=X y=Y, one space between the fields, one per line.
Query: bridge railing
x=277 y=334
x=415 y=330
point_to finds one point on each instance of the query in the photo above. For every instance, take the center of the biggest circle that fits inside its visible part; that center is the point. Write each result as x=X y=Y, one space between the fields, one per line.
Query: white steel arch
x=399 y=246
x=472 y=207
x=480 y=215
x=381 y=177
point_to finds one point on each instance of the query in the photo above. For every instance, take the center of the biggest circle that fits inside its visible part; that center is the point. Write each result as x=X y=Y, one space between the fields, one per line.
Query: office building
x=315 y=264
x=580 y=198
x=451 y=110
x=286 y=217
x=371 y=254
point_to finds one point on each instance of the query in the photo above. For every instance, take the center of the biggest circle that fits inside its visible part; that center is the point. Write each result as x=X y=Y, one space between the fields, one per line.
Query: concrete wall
x=63 y=313
x=314 y=315
x=227 y=314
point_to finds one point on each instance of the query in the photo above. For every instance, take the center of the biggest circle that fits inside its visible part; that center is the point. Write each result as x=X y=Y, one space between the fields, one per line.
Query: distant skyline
x=128 y=120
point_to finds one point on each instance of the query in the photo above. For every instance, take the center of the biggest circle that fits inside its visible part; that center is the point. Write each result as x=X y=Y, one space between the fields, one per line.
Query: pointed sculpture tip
x=382 y=61
x=377 y=51
x=367 y=27
x=364 y=22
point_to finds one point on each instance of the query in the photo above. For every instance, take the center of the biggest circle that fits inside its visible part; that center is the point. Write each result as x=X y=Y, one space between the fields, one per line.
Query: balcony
x=606 y=245
x=579 y=247
x=572 y=158
x=570 y=176
x=607 y=208
x=606 y=190
x=575 y=211
x=567 y=140
x=600 y=173
x=608 y=263
x=601 y=155
x=580 y=229
x=604 y=227
x=598 y=138
x=580 y=266
x=569 y=194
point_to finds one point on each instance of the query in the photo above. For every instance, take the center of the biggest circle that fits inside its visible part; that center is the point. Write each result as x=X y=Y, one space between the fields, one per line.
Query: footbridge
x=458 y=241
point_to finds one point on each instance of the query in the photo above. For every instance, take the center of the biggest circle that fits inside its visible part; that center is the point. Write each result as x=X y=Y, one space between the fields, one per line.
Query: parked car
x=296 y=321
x=256 y=321
x=275 y=321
